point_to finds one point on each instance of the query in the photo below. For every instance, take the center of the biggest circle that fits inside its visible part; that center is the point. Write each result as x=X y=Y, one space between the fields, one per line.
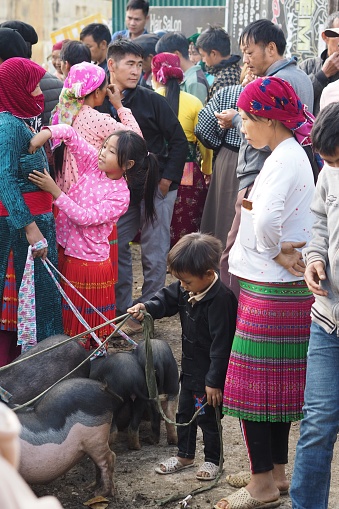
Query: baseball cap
x=331 y=32
x=148 y=43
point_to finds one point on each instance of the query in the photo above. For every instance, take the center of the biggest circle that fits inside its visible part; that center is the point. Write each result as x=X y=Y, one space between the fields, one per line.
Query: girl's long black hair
x=143 y=177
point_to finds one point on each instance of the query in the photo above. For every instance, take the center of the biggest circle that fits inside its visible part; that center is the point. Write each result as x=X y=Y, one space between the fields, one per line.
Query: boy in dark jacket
x=207 y=313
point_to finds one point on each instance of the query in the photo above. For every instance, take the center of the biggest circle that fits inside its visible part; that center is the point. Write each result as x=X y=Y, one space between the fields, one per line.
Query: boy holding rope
x=207 y=313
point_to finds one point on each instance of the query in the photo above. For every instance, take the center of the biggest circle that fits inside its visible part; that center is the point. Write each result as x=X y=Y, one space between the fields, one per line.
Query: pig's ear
x=9 y=435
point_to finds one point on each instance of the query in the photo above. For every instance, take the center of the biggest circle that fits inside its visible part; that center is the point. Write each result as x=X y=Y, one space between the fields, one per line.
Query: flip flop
x=241 y=499
x=172 y=465
x=210 y=468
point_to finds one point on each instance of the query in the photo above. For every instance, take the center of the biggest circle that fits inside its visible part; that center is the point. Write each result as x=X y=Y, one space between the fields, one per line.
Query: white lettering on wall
x=165 y=23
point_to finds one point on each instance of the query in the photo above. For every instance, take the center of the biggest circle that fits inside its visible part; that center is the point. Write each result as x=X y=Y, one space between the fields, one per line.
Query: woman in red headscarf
x=55 y=59
x=265 y=380
x=25 y=212
x=166 y=78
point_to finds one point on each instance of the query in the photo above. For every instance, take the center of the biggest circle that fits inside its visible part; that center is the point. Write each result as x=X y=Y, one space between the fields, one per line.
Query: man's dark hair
x=171 y=42
x=214 y=38
x=138 y=4
x=75 y=52
x=98 y=31
x=330 y=20
x=263 y=32
x=195 y=254
x=118 y=49
x=325 y=131
x=147 y=42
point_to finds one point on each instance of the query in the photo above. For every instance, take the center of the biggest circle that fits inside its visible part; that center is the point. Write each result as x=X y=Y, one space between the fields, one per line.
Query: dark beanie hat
x=12 y=44
x=148 y=43
x=26 y=31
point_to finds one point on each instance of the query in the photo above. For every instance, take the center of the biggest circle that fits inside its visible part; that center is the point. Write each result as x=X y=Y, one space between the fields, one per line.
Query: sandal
x=239 y=480
x=172 y=465
x=210 y=468
x=241 y=499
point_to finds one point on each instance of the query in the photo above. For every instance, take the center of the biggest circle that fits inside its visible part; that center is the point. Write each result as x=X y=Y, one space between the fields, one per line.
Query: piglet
x=167 y=378
x=30 y=378
x=73 y=419
x=122 y=375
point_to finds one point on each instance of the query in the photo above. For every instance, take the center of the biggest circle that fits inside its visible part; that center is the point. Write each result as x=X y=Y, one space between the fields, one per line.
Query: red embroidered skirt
x=9 y=307
x=189 y=204
x=95 y=281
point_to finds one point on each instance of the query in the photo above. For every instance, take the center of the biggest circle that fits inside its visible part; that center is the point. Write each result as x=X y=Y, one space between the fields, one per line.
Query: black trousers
x=207 y=422
x=267 y=444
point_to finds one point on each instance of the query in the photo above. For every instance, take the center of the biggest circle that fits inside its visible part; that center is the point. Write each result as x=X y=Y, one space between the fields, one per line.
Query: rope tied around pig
x=27 y=319
x=6 y=395
x=153 y=394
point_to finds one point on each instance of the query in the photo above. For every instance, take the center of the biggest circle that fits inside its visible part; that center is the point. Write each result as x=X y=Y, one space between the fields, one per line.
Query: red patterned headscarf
x=275 y=98
x=166 y=66
x=19 y=77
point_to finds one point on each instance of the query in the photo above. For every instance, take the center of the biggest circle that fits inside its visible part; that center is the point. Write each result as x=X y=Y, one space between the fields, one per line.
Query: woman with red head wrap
x=55 y=59
x=167 y=76
x=266 y=374
x=25 y=212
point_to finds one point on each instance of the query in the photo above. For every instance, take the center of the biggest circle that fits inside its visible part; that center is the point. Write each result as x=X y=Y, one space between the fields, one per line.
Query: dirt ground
x=138 y=486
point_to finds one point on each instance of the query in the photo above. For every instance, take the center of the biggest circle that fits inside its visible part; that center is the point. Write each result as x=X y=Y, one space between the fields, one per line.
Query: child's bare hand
x=314 y=273
x=114 y=96
x=213 y=396
x=136 y=311
x=39 y=140
x=45 y=182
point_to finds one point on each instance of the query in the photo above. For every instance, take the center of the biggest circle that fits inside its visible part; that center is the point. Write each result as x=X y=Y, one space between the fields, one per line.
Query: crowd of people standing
x=218 y=170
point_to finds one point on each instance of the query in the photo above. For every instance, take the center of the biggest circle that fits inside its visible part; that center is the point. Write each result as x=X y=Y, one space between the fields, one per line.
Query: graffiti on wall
x=301 y=21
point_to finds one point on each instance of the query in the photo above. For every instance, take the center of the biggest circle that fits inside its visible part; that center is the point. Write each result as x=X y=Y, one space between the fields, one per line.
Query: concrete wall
x=49 y=15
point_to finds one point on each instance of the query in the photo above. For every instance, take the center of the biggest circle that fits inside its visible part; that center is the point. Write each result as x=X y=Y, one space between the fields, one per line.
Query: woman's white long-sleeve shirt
x=281 y=196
